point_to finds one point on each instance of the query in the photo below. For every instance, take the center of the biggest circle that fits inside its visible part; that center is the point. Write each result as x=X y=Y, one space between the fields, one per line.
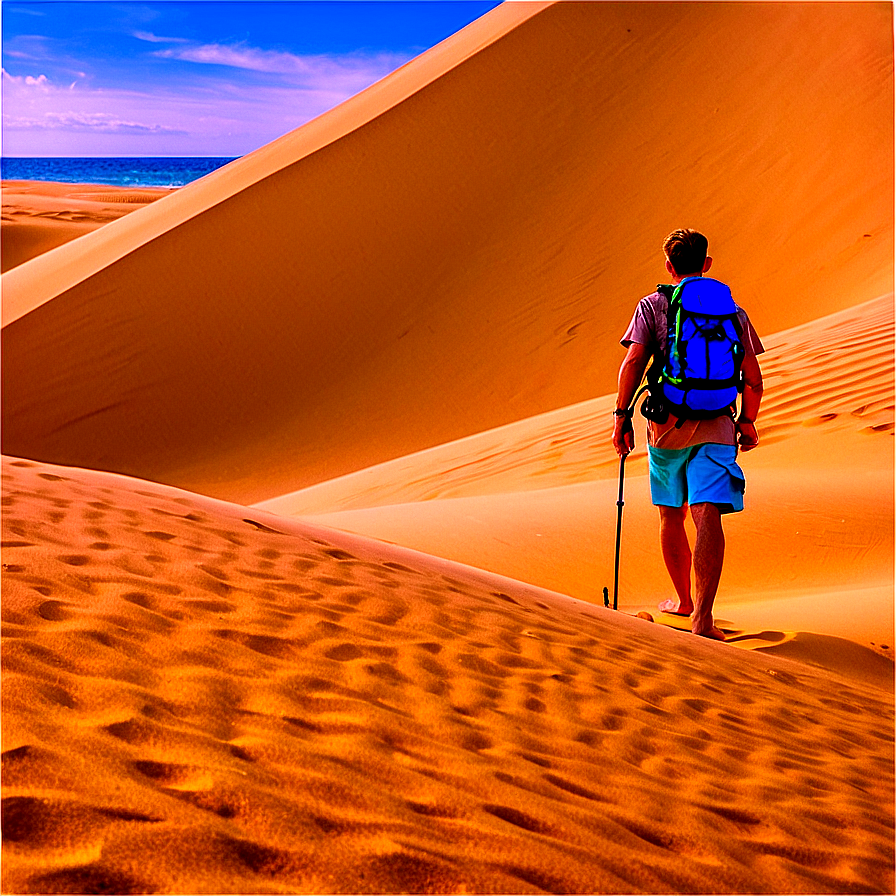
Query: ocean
x=120 y=172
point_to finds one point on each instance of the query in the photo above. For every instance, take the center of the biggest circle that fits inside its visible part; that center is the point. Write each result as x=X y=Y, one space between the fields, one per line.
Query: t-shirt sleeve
x=643 y=326
x=750 y=336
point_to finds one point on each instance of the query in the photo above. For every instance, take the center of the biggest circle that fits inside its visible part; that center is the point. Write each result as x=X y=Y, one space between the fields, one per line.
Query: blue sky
x=201 y=77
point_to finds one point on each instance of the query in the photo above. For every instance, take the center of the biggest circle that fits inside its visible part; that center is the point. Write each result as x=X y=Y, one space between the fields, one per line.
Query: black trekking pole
x=620 y=502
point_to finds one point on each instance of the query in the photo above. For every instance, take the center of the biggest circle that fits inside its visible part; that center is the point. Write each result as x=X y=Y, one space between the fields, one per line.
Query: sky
x=197 y=77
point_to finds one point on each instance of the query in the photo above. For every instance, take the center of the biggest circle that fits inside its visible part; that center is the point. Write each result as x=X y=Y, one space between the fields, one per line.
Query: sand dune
x=200 y=698
x=38 y=217
x=459 y=246
x=400 y=323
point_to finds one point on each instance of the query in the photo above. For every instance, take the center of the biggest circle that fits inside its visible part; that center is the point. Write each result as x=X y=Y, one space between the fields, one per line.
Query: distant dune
x=400 y=323
x=38 y=217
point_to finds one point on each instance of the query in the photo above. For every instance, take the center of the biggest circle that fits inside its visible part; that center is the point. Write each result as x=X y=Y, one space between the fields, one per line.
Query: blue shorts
x=700 y=474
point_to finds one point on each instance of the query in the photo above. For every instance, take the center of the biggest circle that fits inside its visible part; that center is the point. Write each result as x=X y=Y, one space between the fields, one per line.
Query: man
x=692 y=463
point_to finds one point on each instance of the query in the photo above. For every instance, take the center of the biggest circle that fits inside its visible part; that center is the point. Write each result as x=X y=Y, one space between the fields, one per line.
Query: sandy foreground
x=309 y=501
x=201 y=698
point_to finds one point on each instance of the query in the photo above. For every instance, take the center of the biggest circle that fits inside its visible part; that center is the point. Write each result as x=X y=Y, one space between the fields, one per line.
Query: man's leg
x=709 y=555
x=677 y=554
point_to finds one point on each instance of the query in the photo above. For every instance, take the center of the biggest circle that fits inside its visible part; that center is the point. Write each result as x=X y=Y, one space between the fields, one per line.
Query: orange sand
x=400 y=324
x=461 y=245
x=204 y=698
x=38 y=217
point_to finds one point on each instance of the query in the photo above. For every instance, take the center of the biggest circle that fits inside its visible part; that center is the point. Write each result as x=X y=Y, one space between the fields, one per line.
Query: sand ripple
x=250 y=704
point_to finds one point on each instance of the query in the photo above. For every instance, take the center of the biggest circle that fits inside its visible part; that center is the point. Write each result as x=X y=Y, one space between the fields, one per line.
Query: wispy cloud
x=35 y=103
x=24 y=10
x=87 y=122
x=151 y=38
x=342 y=73
x=28 y=47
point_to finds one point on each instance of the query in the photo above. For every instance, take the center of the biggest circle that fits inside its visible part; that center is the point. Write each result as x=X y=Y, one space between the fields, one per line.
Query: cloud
x=86 y=122
x=251 y=58
x=24 y=10
x=151 y=38
x=26 y=82
x=342 y=73
x=29 y=48
x=37 y=104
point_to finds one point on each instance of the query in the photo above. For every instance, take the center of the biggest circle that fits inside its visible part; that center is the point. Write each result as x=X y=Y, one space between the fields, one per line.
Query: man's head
x=686 y=254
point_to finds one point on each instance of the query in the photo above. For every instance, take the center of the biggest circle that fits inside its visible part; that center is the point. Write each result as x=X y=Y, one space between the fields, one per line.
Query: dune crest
x=62 y=270
x=836 y=368
x=276 y=707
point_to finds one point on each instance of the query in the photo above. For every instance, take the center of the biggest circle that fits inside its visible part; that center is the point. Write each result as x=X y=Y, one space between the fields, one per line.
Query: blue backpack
x=700 y=375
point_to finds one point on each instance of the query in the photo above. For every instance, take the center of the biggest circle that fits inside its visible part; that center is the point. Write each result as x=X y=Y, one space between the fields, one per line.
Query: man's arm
x=747 y=437
x=630 y=375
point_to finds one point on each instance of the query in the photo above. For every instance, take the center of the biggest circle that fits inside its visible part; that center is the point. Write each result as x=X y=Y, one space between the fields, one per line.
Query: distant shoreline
x=65 y=185
x=123 y=171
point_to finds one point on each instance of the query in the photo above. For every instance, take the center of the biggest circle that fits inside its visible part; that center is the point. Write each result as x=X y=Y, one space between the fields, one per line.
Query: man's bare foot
x=715 y=633
x=675 y=608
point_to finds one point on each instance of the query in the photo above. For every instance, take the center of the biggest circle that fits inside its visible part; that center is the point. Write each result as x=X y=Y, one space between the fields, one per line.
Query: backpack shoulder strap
x=666 y=289
x=737 y=327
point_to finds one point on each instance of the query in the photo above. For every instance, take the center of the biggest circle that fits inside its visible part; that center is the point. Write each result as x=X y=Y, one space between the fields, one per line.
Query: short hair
x=686 y=250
